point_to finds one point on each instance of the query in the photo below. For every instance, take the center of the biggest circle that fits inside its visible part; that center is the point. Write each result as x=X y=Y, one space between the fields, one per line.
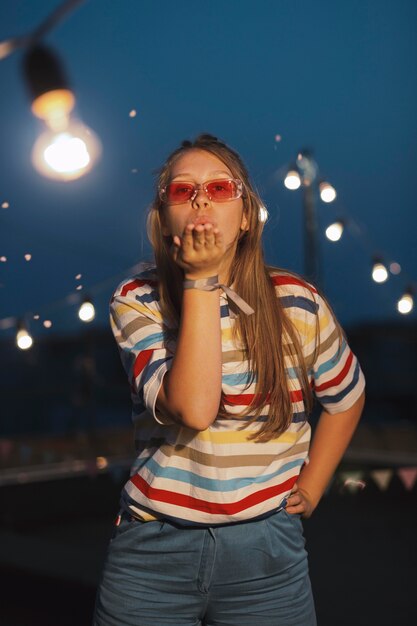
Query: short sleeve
x=138 y=329
x=338 y=378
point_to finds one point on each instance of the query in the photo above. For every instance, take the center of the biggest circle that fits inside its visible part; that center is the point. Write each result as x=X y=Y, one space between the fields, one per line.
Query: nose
x=200 y=199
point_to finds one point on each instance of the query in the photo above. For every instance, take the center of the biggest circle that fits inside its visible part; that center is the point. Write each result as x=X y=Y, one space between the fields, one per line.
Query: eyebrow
x=211 y=173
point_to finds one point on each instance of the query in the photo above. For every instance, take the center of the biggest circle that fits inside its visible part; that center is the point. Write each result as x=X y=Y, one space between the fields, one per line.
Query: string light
x=102 y=462
x=5 y=205
x=24 y=340
x=263 y=214
x=304 y=172
x=87 y=311
x=67 y=149
x=327 y=192
x=66 y=155
x=73 y=151
x=406 y=303
x=379 y=272
x=292 y=179
x=335 y=231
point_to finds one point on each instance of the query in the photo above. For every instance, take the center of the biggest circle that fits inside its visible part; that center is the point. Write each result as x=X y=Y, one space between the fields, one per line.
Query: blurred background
x=319 y=99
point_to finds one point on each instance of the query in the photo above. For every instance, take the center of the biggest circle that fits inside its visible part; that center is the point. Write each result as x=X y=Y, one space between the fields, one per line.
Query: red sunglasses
x=222 y=190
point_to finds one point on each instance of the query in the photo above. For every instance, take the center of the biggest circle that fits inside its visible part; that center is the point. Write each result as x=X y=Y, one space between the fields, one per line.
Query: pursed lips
x=202 y=219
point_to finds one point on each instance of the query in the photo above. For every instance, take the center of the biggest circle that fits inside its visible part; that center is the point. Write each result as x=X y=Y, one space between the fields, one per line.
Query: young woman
x=224 y=356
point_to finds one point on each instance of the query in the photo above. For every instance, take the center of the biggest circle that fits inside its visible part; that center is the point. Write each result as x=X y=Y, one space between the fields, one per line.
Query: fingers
x=298 y=502
x=199 y=236
x=187 y=237
x=200 y=246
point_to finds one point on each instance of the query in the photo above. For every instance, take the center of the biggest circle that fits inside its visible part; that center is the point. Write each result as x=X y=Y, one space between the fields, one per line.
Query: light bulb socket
x=21 y=325
x=377 y=259
x=86 y=299
x=43 y=71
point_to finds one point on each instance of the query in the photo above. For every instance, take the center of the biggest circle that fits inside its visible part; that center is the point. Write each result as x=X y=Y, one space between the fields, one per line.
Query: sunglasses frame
x=237 y=181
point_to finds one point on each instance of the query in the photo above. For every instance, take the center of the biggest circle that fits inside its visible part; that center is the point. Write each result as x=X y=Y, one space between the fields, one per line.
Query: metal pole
x=311 y=251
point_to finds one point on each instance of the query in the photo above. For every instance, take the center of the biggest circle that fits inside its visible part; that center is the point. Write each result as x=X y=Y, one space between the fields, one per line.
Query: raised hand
x=200 y=251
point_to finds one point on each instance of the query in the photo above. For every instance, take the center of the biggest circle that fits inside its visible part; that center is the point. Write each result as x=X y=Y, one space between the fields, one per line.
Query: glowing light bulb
x=334 y=231
x=292 y=180
x=66 y=154
x=23 y=339
x=87 y=311
x=405 y=304
x=263 y=214
x=54 y=107
x=379 y=273
x=327 y=192
x=102 y=462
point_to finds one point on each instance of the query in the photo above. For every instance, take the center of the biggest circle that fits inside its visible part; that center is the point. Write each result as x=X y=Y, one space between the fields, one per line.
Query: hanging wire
x=23 y=41
x=72 y=298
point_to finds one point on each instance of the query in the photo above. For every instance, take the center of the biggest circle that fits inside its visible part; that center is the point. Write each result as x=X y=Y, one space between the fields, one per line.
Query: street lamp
x=304 y=173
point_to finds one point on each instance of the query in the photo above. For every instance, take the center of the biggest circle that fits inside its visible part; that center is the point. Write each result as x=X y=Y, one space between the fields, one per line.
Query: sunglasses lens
x=222 y=190
x=179 y=192
x=217 y=190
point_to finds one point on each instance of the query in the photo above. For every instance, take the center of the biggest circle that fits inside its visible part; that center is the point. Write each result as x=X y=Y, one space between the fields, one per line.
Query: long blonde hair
x=251 y=279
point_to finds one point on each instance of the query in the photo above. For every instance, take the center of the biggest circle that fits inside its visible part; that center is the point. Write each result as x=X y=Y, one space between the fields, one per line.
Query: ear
x=244 y=224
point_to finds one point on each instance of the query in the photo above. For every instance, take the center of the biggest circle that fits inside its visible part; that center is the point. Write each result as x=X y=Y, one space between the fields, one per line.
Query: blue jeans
x=247 y=574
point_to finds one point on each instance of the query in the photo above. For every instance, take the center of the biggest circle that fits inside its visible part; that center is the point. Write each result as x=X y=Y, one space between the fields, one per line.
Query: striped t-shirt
x=218 y=476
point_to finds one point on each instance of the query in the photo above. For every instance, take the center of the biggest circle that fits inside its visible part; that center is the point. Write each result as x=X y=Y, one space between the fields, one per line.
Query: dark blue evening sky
x=338 y=77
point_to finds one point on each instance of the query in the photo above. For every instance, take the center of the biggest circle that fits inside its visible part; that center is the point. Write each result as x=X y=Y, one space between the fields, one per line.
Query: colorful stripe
x=218 y=475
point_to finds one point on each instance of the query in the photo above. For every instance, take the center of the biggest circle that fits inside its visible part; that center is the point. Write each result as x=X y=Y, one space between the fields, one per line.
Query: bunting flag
x=408 y=476
x=19 y=463
x=352 y=481
x=382 y=477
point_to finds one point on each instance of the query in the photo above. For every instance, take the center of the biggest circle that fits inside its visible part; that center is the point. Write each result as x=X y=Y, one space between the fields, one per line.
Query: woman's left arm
x=331 y=438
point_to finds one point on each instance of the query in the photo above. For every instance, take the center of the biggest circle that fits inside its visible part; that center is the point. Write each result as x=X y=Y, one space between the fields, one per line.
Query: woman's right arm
x=191 y=389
